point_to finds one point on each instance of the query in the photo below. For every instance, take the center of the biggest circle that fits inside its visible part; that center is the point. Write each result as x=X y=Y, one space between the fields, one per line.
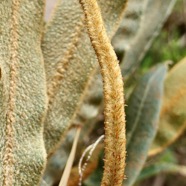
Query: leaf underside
x=23 y=93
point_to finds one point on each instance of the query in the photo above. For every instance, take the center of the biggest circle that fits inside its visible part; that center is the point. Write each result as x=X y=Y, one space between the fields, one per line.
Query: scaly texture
x=173 y=114
x=23 y=94
x=70 y=62
x=113 y=95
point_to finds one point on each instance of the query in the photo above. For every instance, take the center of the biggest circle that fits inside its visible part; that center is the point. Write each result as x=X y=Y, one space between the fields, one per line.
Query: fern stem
x=115 y=140
x=8 y=158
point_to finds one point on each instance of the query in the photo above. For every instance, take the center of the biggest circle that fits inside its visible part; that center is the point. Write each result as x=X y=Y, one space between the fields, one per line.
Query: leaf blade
x=142 y=131
x=23 y=92
x=81 y=66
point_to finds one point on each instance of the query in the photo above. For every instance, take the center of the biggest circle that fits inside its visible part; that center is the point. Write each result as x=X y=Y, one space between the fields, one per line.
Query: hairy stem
x=113 y=96
x=8 y=159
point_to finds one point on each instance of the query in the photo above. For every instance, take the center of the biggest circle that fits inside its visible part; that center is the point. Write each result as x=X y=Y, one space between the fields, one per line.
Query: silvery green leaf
x=23 y=94
x=142 y=116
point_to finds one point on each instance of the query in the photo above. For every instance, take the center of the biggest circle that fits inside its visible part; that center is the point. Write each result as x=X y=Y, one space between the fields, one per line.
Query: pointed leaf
x=142 y=119
x=173 y=114
x=23 y=93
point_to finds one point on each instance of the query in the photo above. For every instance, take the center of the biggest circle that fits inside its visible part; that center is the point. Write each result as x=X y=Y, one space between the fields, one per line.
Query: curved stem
x=115 y=140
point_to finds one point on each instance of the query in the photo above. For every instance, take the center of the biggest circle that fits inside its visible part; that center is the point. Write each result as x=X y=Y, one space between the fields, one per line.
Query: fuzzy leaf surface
x=23 y=94
x=70 y=62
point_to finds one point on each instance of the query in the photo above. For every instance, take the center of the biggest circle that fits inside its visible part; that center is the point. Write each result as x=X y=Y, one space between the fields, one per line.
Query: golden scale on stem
x=8 y=159
x=115 y=140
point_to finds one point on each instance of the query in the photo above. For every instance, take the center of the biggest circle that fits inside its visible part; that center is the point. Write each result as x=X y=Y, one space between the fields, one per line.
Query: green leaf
x=150 y=27
x=142 y=117
x=173 y=114
x=23 y=93
x=70 y=63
